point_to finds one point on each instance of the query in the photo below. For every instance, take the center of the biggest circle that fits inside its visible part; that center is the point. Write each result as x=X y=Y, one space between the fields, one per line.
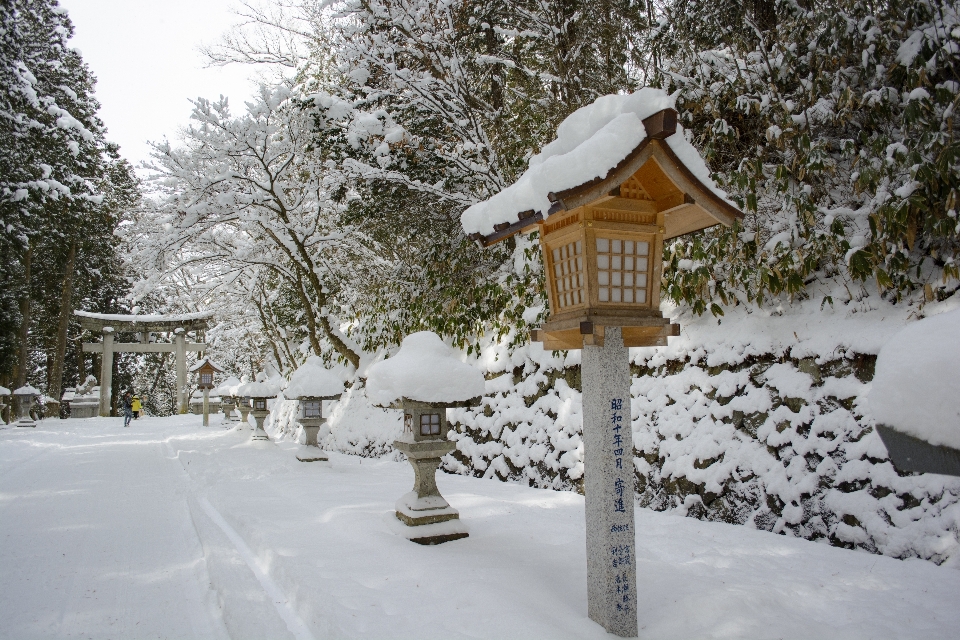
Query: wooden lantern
x=602 y=243
x=205 y=370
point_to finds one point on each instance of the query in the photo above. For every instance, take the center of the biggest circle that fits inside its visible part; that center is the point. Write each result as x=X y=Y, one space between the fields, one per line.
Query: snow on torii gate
x=144 y=325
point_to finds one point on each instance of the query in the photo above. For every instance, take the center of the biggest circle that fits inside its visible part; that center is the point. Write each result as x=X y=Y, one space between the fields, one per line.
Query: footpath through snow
x=171 y=530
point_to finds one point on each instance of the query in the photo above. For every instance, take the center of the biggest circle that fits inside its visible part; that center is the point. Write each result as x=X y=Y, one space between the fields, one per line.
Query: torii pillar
x=108 y=324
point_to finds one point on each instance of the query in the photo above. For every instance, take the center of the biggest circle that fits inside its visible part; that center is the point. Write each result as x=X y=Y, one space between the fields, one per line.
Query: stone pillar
x=180 y=342
x=608 y=481
x=106 y=372
x=311 y=451
x=206 y=407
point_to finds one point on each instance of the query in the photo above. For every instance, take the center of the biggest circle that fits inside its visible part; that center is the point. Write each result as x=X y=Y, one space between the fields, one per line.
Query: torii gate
x=108 y=324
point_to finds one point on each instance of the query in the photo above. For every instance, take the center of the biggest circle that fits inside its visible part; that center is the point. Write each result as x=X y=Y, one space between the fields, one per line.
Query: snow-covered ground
x=167 y=529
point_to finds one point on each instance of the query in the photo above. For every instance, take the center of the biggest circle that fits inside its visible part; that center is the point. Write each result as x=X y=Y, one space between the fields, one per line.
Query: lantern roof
x=424 y=370
x=631 y=141
x=205 y=363
x=4 y=391
x=313 y=380
x=26 y=390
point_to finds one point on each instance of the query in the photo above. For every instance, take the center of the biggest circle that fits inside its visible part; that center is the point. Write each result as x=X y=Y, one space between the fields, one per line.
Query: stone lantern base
x=259 y=433
x=244 y=414
x=311 y=451
x=424 y=505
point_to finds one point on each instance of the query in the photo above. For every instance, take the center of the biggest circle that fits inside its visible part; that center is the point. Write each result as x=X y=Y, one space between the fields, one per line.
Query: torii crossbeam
x=108 y=324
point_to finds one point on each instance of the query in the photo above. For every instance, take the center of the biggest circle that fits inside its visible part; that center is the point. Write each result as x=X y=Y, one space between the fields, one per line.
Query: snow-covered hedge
x=759 y=421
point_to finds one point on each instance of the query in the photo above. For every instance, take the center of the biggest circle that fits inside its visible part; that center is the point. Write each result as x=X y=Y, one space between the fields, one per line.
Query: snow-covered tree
x=244 y=208
x=61 y=190
x=834 y=122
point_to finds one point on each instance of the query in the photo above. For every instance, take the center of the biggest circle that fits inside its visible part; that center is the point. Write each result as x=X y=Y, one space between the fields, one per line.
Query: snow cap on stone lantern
x=915 y=395
x=312 y=380
x=259 y=392
x=426 y=370
x=228 y=387
x=426 y=376
x=311 y=384
x=619 y=179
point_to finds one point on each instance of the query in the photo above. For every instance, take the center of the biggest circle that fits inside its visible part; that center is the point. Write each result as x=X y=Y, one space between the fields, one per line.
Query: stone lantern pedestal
x=260 y=414
x=312 y=452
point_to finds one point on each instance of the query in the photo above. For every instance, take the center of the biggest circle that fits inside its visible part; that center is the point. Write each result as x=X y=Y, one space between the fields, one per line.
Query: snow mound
x=426 y=370
x=591 y=142
x=313 y=380
x=916 y=389
x=258 y=390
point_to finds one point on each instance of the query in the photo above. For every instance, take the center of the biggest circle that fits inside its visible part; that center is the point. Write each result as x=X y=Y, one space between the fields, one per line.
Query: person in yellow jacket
x=137 y=406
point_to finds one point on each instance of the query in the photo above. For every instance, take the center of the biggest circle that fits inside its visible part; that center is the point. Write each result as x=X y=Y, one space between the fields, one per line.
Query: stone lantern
x=205 y=370
x=5 y=393
x=25 y=396
x=228 y=400
x=424 y=378
x=311 y=384
x=619 y=180
x=259 y=393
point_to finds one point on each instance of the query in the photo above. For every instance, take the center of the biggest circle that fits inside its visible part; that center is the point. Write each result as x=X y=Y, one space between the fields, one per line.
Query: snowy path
x=169 y=530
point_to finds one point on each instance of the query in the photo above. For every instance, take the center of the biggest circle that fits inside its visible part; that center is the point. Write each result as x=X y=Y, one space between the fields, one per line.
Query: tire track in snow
x=280 y=601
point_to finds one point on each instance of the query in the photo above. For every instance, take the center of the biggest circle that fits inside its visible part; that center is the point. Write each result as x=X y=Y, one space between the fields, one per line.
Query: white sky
x=144 y=54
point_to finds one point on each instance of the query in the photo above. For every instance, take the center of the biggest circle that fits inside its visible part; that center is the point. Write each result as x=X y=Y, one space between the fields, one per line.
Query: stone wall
x=773 y=442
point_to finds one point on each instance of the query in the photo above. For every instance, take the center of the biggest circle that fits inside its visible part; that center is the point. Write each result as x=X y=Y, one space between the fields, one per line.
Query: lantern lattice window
x=622 y=271
x=568 y=275
x=430 y=424
x=260 y=404
x=206 y=378
x=312 y=408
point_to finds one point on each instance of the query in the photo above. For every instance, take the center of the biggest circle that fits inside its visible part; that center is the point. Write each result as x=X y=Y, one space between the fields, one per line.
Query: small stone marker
x=425 y=377
x=608 y=486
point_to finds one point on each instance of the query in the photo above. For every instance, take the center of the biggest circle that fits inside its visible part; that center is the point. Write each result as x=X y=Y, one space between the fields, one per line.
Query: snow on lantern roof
x=205 y=361
x=598 y=148
x=228 y=386
x=313 y=380
x=258 y=390
x=26 y=390
x=424 y=370
x=4 y=391
x=916 y=387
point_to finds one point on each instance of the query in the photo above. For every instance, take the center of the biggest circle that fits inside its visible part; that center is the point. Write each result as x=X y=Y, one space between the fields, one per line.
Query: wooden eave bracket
x=659 y=127
x=590 y=334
